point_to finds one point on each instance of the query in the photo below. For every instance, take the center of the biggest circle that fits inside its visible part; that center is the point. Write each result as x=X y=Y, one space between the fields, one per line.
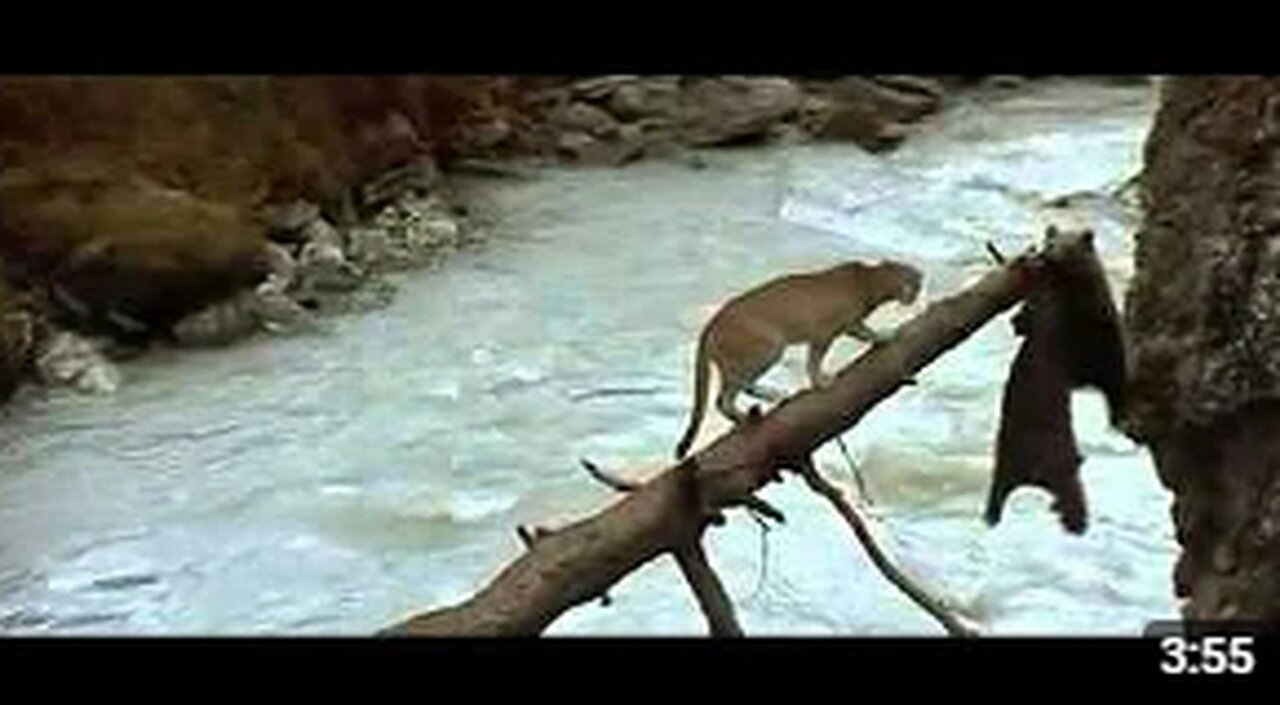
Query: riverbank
x=200 y=212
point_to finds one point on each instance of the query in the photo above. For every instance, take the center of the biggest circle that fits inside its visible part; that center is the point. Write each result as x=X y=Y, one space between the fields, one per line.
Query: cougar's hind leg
x=738 y=373
x=818 y=350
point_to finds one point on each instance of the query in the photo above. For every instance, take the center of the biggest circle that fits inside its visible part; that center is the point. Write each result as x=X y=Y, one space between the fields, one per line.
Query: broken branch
x=706 y=585
x=930 y=604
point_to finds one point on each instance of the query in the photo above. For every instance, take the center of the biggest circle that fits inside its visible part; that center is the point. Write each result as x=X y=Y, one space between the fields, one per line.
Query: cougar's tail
x=701 y=375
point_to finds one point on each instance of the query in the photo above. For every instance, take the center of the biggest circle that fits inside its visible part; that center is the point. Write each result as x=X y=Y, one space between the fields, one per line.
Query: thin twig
x=760 y=507
x=526 y=536
x=531 y=536
x=753 y=504
x=764 y=556
x=857 y=472
x=609 y=479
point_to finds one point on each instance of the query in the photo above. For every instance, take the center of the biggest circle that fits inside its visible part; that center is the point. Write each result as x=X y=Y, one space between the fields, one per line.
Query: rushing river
x=336 y=483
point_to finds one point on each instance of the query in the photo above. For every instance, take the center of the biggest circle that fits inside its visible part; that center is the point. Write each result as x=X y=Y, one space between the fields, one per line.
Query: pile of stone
x=66 y=359
x=611 y=120
x=312 y=267
x=33 y=348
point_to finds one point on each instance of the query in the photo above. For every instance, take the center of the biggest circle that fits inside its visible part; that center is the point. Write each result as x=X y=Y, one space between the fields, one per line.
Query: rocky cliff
x=1203 y=319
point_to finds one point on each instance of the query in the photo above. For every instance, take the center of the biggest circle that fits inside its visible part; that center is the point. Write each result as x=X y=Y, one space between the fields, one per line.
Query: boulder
x=923 y=85
x=648 y=98
x=600 y=87
x=585 y=118
x=286 y=222
x=584 y=149
x=276 y=311
x=1004 y=81
x=124 y=248
x=488 y=135
x=66 y=359
x=372 y=247
x=724 y=110
x=277 y=263
x=322 y=266
x=221 y=323
x=866 y=129
x=433 y=232
x=418 y=176
x=895 y=101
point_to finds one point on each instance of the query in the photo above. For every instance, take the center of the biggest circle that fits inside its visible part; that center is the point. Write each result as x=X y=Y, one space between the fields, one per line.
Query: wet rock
x=279 y=313
x=389 y=143
x=866 y=129
x=870 y=112
x=377 y=293
x=417 y=177
x=626 y=143
x=221 y=323
x=574 y=144
x=286 y=223
x=786 y=133
x=433 y=231
x=656 y=97
x=320 y=233
x=667 y=148
x=68 y=360
x=492 y=168
x=410 y=232
x=631 y=141
x=322 y=263
x=488 y=135
x=600 y=87
x=923 y=85
x=1004 y=82
x=584 y=118
x=278 y=264
x=370 y=247
x=723 y=110
x=887 y=102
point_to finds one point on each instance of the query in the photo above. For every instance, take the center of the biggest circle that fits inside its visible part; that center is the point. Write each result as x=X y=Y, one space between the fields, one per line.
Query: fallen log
x=578 y=562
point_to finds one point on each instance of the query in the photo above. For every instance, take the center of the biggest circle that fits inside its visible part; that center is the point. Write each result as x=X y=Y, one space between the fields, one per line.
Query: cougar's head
x=903 y=282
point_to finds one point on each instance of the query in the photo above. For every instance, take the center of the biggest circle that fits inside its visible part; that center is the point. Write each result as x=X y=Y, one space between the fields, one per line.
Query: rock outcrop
x=144 y=199
x=206 y=209
x=1203 y=318
x=614 y=119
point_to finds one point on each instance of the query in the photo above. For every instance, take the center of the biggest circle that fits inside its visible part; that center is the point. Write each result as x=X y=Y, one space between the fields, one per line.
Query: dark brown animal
x=1072 y=339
